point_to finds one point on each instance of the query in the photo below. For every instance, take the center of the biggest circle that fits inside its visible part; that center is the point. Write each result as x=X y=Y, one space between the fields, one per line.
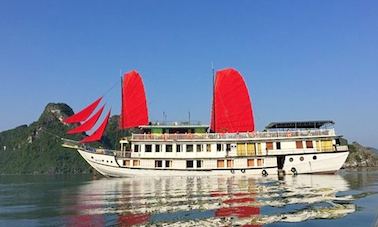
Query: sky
x=301 y=60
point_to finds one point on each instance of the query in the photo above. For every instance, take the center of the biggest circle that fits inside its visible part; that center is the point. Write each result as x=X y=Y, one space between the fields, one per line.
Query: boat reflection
x=211 y=200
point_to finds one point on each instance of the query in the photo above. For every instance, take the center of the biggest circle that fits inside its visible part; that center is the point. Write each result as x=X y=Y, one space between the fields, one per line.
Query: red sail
x=232 y=108
x=83 y=114
x=88 y=125
x=134 y=105
x=96 y=136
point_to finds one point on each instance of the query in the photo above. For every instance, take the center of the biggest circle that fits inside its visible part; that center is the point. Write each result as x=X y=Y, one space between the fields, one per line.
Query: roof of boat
x=299 y=124
x=174 y=126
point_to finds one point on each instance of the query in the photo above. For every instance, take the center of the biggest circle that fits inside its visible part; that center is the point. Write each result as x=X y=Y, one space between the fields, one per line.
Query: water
x=347 y=199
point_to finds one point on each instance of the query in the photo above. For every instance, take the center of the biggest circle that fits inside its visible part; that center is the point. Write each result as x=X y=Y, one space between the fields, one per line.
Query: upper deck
x=235 y=136
x=274 y=131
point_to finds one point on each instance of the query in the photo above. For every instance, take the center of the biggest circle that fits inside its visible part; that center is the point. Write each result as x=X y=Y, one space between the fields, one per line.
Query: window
x=168 y=163
x=158 y=164
x=136 y=162
x=309 y=144
x=208 y=147
x=250 y=162
x=228 y=147
x=260 y=162
x=230 y=163
x=301 y=158
x=126 y=162
x=220 y=163
x=189 y=164
x=157 y=147
x=314 y=157
x=148 y=148
x=168 y=148
x=189 y=148
x=219 y=147
x=199 y=163
x=136 y=148
x=269 y=145
x=278 y=145
x=299 y=144
x=178 y=147
x=199 y=147
x=291 y=159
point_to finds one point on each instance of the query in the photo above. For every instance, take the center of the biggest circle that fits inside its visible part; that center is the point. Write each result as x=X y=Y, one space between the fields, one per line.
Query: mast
x=212 y=68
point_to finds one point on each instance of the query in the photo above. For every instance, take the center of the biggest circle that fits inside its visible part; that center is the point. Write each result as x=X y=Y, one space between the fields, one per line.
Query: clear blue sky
x=302 y=60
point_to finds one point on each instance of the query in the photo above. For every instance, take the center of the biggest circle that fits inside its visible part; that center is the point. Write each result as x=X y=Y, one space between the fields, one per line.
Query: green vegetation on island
x=36 y=148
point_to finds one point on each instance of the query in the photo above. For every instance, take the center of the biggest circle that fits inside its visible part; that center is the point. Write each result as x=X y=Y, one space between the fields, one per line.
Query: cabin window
x=309 y=144
x=136 y=148
x=251 y=149
x=168 y=163
x=189 y=164
x=199 y=163
x=158 y=164
x=126 y=162
x=157 y=147
x=278 y=145
x=314 y=157
x=269 y=145
x=228 y=147
x=178 y=147
x=230 y=163
x=219 y=147
x=299 y=144
x=260 y=162
x=136 y=162
x=189 y=148
x=220 y=163
x=148 y=148
x=250 y=162
x=208 y=147
x=240 y=149
x=168 y=148
x=301 y=158
x=199 y=147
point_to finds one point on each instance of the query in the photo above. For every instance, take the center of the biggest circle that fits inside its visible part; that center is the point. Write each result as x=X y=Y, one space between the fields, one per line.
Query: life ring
x=242 y=170
x=294 y=171
x=233 y=171
x=264 y=172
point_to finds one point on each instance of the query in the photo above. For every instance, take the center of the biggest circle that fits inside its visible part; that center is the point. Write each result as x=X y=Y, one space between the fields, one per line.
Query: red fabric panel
x=232 y=105
x=83 y=114
x=88 y=125
x=134 y=104
x=96 y=136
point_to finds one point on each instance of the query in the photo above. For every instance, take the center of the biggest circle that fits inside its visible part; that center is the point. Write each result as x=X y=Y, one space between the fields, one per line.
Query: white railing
x=252 y=135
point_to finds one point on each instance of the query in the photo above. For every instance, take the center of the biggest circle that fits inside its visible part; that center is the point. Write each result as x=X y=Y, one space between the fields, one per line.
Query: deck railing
x=252 y=135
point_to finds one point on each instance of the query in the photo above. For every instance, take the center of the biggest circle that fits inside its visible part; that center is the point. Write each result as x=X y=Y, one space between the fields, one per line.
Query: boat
x=230 y=145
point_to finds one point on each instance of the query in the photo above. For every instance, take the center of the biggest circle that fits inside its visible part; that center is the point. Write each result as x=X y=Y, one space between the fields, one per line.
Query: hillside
x=361 y=156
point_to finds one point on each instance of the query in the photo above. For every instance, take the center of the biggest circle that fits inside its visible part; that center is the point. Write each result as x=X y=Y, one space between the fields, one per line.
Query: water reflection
x=194 y=201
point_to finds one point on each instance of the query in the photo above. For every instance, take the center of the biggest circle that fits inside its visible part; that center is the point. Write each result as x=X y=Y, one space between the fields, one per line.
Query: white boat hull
x=108 y=165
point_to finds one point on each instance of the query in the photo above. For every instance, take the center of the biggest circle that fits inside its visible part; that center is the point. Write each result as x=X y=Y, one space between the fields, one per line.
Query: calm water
x=347 y=199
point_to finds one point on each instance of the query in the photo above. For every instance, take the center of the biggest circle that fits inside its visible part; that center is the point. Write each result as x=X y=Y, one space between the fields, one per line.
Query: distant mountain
x=361 y=156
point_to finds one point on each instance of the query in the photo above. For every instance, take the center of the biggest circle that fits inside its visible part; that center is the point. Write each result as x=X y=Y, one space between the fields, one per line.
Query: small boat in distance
x=230 y=145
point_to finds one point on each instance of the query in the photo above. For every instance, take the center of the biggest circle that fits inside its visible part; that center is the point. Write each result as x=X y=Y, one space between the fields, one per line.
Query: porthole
x=91 y=157
x=291 y=159
x=314 y=157
x=301 y=158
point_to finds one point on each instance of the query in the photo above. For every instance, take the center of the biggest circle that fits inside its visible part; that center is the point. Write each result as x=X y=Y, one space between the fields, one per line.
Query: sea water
x=348 y=198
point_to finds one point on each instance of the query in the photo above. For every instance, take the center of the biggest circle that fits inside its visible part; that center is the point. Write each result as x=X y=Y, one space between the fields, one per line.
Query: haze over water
x=349 y=199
